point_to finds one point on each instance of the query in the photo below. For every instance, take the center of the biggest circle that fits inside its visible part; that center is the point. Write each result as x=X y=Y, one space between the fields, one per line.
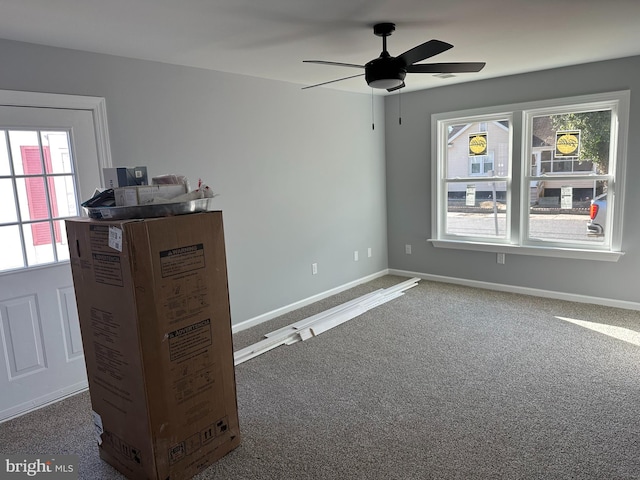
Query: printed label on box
x=182 y=260
x=186 y=341
x=115 y=238
x=215 y=430
x=99 y=237
x=192 y=372
x=107 y=269
x=186 y=297
x=176 y=453
x=124 y=449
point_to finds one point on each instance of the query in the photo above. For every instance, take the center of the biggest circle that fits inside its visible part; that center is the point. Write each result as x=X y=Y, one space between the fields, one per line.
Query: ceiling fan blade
x=322 y=62
x=396 y=88
x=424 y=51
x=461 y=67
x=333 y=81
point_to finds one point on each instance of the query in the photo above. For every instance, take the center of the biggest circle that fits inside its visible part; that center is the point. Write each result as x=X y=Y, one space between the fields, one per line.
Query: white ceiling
x=270 y=38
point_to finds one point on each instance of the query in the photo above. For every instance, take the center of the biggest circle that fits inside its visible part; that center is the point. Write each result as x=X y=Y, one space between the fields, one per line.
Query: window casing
x=535 y=198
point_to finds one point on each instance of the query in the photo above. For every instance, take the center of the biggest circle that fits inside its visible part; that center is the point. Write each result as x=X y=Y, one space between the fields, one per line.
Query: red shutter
x=36 y=195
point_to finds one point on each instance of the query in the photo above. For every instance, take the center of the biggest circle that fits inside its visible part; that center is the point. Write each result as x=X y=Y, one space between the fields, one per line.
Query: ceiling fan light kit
x=383 y=73
x=388 y=72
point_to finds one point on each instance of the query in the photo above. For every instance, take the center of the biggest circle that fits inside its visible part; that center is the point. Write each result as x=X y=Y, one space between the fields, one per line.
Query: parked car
x=598 y=215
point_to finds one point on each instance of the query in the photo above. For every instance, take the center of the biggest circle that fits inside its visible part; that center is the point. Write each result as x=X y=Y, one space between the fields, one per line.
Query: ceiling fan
x=388 y=72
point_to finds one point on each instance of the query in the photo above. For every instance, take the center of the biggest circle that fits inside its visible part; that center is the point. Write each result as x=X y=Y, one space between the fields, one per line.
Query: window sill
x=577 y=253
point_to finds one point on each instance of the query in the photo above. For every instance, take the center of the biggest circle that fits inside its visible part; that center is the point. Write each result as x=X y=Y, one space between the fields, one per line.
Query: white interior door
x=41 y=355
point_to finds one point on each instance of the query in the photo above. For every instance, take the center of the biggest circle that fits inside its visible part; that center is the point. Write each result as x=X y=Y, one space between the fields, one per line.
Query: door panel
x=41 y=357
x=22 y=336
x=70 y=323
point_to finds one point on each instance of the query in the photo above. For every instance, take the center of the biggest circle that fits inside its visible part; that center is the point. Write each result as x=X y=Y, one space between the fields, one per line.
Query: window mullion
x=14 y=184
x=47 y=193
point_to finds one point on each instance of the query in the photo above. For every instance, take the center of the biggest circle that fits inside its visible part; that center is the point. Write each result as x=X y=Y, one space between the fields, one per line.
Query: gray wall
x=301 y=174
x=408 y=151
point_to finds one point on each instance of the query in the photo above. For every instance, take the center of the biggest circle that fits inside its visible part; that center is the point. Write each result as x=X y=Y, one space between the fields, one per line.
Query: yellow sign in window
x=568 y=143
x=477 y=144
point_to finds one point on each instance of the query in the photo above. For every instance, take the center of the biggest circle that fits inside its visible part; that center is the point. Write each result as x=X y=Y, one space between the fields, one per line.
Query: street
x=561 y=227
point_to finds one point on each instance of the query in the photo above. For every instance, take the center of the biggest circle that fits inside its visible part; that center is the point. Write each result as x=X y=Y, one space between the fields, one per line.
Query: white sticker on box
x=115 y=238
x=98 y=428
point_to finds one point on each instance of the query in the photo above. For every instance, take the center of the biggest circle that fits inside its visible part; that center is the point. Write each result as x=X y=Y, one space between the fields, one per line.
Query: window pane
x=562 y=214
x=589 y=134
x=37 y=239
x=11 y=251
x=4 y=155
x=478 y=148
x=62 y=248
x=56 y=151
x=25 y=152
x=38 y=169
x=63 y=196
x=561 y=166
x=8 y=211
x=477 y=210
x=583 y=166
x=33 y=198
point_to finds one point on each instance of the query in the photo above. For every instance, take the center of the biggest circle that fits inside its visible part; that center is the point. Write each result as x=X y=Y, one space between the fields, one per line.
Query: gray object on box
x=151 y=210
x=125 y=176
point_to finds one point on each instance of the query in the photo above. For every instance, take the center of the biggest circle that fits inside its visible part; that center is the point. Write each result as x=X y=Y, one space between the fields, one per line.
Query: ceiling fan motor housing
x=384 y=72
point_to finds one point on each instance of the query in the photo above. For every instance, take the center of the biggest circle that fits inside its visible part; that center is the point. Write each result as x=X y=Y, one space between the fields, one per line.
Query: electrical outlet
x=355 y=256
x=501 y=258
x=314 y=269
x=407 y=249
x=369 y=252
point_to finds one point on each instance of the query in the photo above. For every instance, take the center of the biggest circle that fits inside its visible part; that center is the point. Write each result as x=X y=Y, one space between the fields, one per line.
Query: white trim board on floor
x=323 y=321
x=534 y=292
x=252 y=322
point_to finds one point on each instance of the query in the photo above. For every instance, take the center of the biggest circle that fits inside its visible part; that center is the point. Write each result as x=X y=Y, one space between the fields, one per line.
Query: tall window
x=37 y=192
x=537 y=199
x=475 y=203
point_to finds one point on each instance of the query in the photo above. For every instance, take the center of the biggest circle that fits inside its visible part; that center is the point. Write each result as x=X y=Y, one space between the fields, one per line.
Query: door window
x=37 y=192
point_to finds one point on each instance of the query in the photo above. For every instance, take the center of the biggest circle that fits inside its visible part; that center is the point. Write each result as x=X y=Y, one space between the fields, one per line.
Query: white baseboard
x=252 y=322
x=536 y=292
x=571 y=297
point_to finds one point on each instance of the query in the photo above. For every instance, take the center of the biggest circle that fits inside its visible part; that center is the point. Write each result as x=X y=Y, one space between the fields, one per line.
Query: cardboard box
x=124 y=176
x=153 y=304
x=144 y=195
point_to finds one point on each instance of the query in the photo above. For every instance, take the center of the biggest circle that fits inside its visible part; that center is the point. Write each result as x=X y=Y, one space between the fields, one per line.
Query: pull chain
x=373 y=125
x=400 y=107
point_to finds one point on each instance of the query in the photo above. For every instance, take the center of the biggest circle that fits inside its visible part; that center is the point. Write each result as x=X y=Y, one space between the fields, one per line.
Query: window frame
x=443 y=179
x=52 y=218
x=520 y=116
x=96 y=106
